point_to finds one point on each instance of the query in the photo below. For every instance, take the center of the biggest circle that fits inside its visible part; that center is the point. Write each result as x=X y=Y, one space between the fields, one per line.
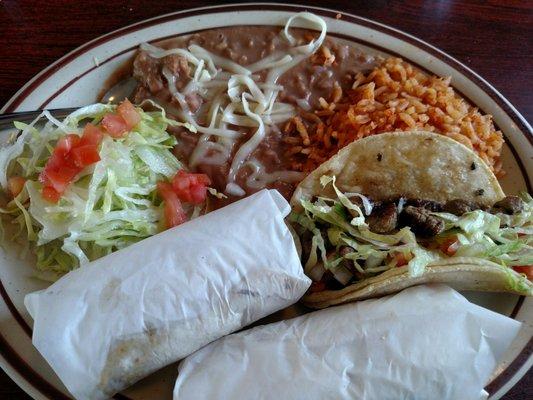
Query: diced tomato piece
x=60 y=156
x=449 y=246
x=55 y=180
x=185 y=176
x=66 y=143
x=92 y=135
x=186 y=187
x=16 y=184
x=198 y=193
x=61 y=168
x=50 y=194
x=59 y=178
x=525 y=269
x=45 y=178
x=71 y=154
x=85 y=155
x=174 y=213
x=189 y=187
x=115 y=125
x=181 y=180
x=128 y=112
x=203 y=179
x=402 y=259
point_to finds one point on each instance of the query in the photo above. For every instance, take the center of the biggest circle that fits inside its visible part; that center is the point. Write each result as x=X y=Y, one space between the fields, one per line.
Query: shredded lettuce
x=111 y=205
x=338 y=223
x=477 y=223
x=317 y=242
x=518 y=283
x=421 y=259
x=501 y=238
x=358 y=216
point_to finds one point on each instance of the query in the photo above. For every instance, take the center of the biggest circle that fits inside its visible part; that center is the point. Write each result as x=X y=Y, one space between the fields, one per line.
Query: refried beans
x=323 y=75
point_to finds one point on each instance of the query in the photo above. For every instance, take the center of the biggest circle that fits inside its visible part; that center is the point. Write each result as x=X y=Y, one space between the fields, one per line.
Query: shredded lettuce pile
x=334 y=223
x=111 y=205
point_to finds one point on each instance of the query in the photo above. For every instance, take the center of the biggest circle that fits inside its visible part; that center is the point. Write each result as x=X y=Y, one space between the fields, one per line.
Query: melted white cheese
x=237 y=97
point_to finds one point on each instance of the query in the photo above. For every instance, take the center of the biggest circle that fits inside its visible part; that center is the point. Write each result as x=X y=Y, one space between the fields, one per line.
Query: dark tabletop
x=494 y=38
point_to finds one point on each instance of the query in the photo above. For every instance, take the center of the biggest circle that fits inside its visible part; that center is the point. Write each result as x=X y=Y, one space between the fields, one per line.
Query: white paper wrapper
x=116 y=320
x=427 y=342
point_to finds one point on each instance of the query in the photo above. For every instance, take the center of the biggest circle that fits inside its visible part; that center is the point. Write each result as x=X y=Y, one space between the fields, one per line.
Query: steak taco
x=400 y=209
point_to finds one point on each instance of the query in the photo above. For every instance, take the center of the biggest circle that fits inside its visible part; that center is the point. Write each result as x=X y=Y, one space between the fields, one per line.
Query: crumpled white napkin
x=427 y=342
x=110 y=323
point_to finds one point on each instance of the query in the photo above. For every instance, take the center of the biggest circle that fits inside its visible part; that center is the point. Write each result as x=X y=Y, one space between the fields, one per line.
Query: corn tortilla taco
x=400 y=209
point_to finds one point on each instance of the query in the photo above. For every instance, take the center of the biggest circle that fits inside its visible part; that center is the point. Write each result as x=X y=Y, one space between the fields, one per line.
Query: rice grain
x=393 y=97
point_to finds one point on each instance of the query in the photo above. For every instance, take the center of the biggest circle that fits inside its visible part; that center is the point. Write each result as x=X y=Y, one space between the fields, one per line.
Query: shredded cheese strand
x=259 y=178
x=238 y=98
x=248 y=147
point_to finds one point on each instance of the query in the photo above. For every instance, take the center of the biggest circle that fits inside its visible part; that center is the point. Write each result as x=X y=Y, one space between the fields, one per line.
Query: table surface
x=494 y=38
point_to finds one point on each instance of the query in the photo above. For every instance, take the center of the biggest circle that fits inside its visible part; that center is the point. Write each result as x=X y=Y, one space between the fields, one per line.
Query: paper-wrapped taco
x=400 y=209
x=108 y=324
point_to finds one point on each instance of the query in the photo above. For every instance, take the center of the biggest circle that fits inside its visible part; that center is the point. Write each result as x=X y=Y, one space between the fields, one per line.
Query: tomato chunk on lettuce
x=185 y=187
x=77 y=193
x=70 y=156
x=73 y=152
x=191 y=188
x=174 y=213
x=129 y=114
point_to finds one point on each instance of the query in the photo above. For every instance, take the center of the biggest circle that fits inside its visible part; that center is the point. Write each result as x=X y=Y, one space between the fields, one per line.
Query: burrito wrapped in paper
x=110 y=323
x=427 y=342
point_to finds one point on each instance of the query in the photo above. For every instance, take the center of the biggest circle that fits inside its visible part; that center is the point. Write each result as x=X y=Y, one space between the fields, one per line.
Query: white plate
x=76 y=80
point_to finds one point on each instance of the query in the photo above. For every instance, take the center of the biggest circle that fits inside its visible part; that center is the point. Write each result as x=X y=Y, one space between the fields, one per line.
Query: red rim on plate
x=24 y=372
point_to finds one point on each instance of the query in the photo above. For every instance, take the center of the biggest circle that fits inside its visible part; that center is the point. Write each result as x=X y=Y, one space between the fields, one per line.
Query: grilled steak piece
x=431 y=205
x=345 y=250
x=509 y=205
x=460 y=207
x=359 y=202
x=421 y=221
x=383 y=219
x=330 y=282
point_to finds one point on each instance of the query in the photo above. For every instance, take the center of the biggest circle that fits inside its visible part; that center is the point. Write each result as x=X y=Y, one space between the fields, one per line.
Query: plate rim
x=275 y=6
x=510 y=375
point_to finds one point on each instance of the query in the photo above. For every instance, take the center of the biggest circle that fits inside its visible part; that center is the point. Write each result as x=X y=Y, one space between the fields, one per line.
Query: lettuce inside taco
x=400 y=209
